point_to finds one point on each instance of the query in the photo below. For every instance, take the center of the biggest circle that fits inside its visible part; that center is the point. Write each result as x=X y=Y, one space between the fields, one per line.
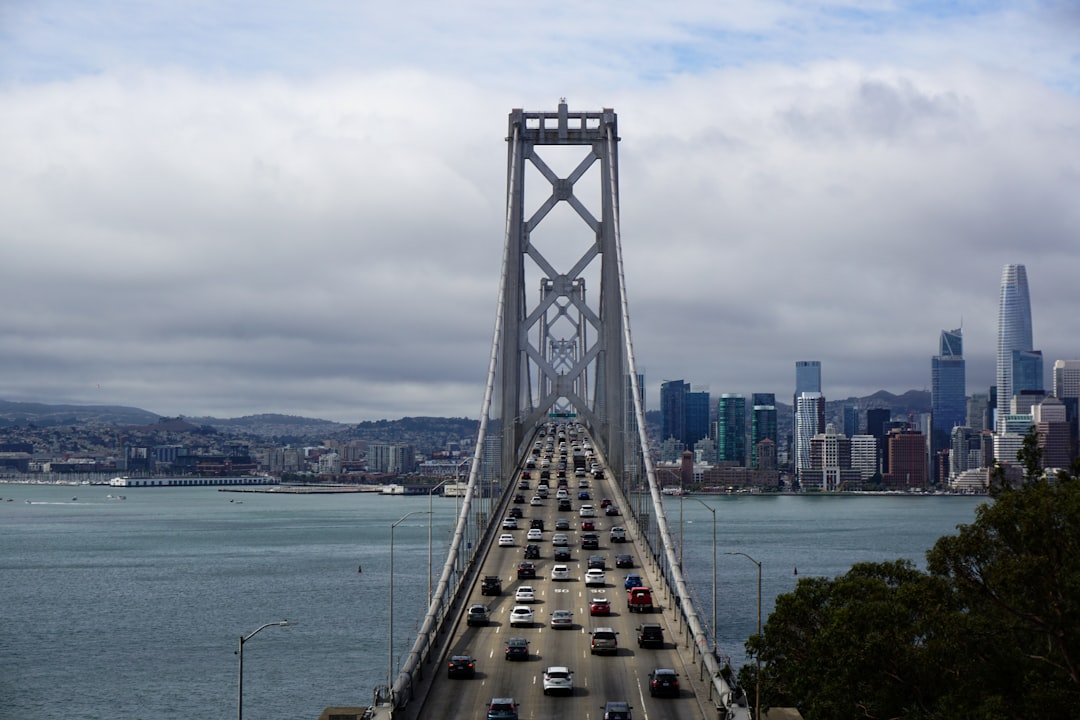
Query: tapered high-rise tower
x=1013 y=330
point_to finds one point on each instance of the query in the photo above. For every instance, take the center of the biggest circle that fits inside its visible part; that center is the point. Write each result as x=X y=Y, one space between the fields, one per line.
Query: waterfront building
x=731 y=429
x=1013 y=328
x=391 y=459
x=907 y=460
x=864 y=456
x=966 y=450
x=830 y=463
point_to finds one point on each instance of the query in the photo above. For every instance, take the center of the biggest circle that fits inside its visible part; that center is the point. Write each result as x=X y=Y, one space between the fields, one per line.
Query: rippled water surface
x=133 y=608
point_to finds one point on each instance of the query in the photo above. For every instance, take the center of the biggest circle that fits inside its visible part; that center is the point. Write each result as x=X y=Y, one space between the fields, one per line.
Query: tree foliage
x=991 y=629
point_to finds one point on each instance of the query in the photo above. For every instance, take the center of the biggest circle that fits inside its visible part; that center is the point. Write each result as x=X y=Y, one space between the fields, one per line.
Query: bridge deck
x=597 y=678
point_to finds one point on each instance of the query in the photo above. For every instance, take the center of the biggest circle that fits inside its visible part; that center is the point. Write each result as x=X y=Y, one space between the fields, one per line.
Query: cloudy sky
x=229 y=207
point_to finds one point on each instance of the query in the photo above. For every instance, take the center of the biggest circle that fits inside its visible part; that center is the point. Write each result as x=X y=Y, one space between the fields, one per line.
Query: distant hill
x=42 y=415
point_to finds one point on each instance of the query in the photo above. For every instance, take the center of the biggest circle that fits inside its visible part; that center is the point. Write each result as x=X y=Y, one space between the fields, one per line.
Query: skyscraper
x=807 y=380
x=762 y=424
x=1013 y=329
x=807 y=377
x=809 y=410
x=731 y=429
x=948 y=389
x=673 y=409
x=697 y=417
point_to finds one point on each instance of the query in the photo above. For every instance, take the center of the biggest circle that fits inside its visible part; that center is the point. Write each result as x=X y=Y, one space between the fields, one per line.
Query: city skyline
x=251 y=208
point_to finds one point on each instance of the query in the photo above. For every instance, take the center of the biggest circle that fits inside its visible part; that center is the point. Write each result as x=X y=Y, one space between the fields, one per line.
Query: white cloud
x=196 y=232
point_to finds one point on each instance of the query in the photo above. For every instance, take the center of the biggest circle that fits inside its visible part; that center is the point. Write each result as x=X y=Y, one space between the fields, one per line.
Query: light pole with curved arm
x=240 y=652
x=711 y=509
x=757 y=655
x=390 y=665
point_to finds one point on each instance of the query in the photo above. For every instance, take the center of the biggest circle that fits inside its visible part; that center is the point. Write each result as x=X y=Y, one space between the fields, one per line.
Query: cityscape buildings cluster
x=953 y=446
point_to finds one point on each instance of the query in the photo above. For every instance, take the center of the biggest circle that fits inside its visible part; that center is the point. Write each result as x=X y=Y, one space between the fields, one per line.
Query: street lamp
x=390 y=665
x=757 y=700
x=240 y=652
x=711 y=509
x=431 y=520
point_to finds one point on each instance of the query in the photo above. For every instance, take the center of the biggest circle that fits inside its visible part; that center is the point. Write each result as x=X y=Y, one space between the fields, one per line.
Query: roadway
x=597 y=679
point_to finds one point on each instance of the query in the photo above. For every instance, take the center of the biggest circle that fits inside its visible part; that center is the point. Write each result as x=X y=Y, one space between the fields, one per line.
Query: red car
x=588 y=524
x=605 y=502
x=600 y=606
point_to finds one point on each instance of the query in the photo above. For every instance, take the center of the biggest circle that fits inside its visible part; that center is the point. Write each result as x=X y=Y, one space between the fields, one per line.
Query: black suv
x=598 y=562
x=491 y=585
x=532 y=552
x=590 y=541
x=526 y=570
x=536 y=524
x=561 y=553
x=650 y=635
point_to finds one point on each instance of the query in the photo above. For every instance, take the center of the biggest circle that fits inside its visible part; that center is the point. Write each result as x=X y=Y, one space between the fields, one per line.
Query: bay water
x=134 y=608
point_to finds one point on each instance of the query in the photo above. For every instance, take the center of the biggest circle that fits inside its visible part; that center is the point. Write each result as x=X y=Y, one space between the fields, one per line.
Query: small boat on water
x=393 y=490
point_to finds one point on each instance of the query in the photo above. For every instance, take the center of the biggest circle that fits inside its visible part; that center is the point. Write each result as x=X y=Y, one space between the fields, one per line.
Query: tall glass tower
x=1013 y=329
x=731 y=429
x=762 y=423
x=948 y=383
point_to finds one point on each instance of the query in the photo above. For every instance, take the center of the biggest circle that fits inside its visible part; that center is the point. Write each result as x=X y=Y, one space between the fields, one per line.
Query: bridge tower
x=562 y=346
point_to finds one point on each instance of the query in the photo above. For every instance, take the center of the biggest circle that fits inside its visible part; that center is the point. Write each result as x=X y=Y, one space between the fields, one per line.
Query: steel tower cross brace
x=565 y=347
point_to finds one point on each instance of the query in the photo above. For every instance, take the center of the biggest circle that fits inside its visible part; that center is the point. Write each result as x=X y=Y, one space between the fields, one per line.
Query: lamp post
x=711 y=509
x=240 y=653
x=390 y=664
x=431 y=520
x=757 y=677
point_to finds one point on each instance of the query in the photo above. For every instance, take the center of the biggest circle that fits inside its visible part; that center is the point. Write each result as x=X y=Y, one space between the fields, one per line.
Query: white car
x=525 y=594
x=506 y=540
x=560 y=572
x=562 y=494
x=510 y=523
x=536 y=500
x=562 y=619
x=535 y=534
x=521 y=615
x=558 y=679
x=595 y=576
x=587 y=511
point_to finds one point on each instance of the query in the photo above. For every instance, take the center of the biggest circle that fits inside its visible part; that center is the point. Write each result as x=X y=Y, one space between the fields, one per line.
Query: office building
x=684 y=414
x=673 y=410
x=907 y=460
x=807 y=377
x=731 y=429
x=978 y=409
x=830 y=463
x=948 y=388
x=697 y=417
x=1066 y=381
x=864 y=455
x=1027 y=371
x=851 y=420
x=877 y=419
x=762 y=426
x=1013 y=328
x=809 y=414
x=1052 y=426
